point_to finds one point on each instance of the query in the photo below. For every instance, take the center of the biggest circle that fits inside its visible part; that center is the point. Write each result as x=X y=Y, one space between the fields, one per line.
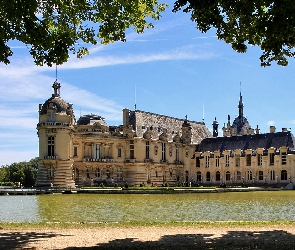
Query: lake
x=239 y=206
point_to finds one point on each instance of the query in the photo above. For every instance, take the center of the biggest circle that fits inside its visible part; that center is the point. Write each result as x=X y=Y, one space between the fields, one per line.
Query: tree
x=52 y=29
x=270 y=24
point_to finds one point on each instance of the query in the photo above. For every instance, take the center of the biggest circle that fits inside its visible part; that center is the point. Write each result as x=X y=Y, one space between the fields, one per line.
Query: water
x=248 y=206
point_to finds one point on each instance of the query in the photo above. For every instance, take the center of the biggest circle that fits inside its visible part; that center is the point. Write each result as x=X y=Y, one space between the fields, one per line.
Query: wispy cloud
x=190 y=52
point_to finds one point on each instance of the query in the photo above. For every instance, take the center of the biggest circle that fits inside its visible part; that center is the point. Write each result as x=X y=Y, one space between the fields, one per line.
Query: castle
x=156 y=150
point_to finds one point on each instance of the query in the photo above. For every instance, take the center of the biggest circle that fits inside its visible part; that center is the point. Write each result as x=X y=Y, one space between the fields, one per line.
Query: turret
x=215 y=128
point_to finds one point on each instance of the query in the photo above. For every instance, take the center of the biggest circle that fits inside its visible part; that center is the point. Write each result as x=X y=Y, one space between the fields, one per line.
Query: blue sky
x=172 y=70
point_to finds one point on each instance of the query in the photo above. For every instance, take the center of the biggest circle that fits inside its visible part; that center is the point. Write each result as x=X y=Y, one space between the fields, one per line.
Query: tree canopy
x=269 y=24
x=53 y=29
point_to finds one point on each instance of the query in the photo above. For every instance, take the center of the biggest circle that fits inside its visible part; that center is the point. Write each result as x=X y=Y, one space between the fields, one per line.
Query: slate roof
x=58 y=103
x=244 y=142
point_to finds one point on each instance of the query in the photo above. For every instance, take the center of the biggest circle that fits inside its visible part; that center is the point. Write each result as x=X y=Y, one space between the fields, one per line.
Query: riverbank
x=162 y=236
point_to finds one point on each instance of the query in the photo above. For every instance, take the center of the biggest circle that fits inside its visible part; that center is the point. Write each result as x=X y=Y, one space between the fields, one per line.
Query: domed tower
x=55 y=132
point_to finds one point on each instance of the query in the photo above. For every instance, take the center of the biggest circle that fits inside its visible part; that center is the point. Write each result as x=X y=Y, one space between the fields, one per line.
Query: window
x=227 y=160
x=119 y=174
x=284 y=175
x=163 y=151
x=217 y=160
x=119 y=152
x=97 y=172
x=284 y=158
x=227 y=176
x=238 y=175
x=50 y=173
x=271 y=158
x=147 y=149
x=260 y=175
x=75 y=151
x=199 y=176
x=148 y=176
x=272 y=175
x=237 y=160
x=248 y=159
x=259 y=159
x=108 y=173
x=207 y=158
x=96 y=151
x=208 y=176
x=76 y=173
x=217 y=176
x=131 y=147
x=51 y=146
x=249 y=175
x=198 y=162
x=87 y=174
x=177 y=153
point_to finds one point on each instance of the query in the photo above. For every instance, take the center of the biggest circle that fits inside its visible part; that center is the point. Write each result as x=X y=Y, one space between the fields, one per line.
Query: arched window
x=199 y=176
x=208 y=176
x=249 y=175
x=272 y=175
x=76 y=173
x=97 y=172
x=227 y=176
x=239 y=175
x=284 y=175
x=217 y=177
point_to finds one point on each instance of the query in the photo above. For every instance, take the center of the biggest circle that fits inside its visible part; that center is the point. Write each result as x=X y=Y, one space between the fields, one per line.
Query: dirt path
x=150 y=237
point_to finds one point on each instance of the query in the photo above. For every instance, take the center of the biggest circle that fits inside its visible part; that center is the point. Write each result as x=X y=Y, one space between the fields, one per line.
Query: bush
x=142 y=184
x=101 y=185
x=126 y=185
x=116 y=185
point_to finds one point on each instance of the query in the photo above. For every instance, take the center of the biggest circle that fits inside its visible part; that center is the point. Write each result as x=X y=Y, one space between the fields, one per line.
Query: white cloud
x=191 y=52
x=270 y=123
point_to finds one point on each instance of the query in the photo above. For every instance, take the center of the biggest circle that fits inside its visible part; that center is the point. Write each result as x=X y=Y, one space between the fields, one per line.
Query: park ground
x=170 y=236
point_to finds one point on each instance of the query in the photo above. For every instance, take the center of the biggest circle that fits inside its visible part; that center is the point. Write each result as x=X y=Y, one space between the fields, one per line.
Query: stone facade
x=156 y=149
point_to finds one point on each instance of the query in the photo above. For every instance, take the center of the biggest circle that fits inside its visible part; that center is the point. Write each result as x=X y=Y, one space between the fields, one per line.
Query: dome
x=90 y=119
x=57 y=103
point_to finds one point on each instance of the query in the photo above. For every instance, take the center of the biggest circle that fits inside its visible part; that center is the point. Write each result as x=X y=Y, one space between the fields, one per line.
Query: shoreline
x=195 y=236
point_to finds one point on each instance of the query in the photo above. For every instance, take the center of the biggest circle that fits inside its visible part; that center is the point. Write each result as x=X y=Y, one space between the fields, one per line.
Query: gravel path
x=150 y=237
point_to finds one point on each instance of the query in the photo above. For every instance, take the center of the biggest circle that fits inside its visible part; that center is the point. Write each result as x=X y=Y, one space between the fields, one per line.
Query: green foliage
x=23 y=172
x=265 y=23
x=142 y=184
x=101 y=185
x=53 y=29
x=126 y=185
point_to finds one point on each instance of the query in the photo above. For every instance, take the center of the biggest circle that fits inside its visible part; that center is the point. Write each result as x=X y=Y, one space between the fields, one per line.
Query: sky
x=172 y=69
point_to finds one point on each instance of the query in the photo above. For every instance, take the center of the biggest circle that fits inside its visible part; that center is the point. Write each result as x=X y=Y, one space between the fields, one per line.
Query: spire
x=241 y=105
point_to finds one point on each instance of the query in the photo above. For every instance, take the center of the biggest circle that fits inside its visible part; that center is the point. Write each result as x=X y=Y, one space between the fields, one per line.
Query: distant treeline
x=24 y=173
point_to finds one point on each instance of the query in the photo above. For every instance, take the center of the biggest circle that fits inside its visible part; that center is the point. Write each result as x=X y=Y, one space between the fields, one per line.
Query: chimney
x=272 y=129
x=284 y=130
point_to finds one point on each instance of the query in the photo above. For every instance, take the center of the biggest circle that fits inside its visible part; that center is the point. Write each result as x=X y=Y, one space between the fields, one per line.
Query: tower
x=55 y=129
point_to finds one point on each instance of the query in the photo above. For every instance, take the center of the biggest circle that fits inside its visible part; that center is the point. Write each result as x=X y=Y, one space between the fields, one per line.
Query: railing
x=149 y=160
x=98 y=160
x=130 y=160
x=53 y=124
x=51 y=157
